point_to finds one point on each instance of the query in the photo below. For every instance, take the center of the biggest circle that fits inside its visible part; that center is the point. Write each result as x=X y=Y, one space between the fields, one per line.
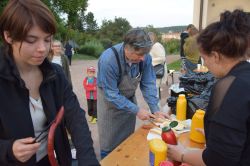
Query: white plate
x=152 y=135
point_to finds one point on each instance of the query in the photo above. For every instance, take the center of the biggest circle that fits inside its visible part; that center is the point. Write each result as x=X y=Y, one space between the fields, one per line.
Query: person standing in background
x=223 y=46
x=121 y=69
x=68 y=52
x=158 y=55
x=57 y=56
x=191 y=51
x=183 y=36
x=89 y=84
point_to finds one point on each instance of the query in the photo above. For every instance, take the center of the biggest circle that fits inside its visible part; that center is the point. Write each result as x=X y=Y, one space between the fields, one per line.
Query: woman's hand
x=24 y=149
x=200 y=130
x=175 y=152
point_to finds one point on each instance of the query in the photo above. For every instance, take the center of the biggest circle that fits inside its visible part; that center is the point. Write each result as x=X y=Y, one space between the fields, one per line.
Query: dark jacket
x=227 y=120
x=68 y=49
x=16 y=122
x=65 y=66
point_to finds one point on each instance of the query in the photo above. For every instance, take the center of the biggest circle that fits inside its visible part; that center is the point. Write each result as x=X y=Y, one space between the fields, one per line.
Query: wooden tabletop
x=134 y=151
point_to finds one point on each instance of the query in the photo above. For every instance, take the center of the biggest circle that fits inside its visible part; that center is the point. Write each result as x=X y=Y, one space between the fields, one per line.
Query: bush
x=172 y=46
x=92 y=48
x=106 y=42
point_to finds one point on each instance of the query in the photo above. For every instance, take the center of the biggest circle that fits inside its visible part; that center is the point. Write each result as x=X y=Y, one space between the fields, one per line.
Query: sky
x=140 y=13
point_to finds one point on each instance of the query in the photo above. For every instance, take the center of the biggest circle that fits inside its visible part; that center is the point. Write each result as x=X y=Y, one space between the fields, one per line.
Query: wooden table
x=134 y=151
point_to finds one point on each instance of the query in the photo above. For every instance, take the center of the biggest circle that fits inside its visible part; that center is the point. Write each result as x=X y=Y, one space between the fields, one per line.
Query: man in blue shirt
x=121 y=69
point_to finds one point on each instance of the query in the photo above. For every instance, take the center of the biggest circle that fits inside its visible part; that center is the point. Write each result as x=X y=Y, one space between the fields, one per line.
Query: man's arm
x=109 y=77
x=148 y=85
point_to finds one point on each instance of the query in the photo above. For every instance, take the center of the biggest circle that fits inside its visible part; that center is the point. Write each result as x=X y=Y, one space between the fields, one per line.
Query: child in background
x=89 y=84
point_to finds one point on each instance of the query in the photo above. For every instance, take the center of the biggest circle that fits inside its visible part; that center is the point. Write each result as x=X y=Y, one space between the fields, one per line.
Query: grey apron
x=116 y=125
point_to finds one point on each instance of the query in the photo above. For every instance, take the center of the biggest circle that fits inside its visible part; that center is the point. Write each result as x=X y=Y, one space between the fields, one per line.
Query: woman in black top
x=223 y=46
x=32 y=90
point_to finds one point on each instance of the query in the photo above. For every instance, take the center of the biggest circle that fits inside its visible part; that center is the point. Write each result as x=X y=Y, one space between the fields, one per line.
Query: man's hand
x=145 y=115
x=24 y=149
x=160 y=114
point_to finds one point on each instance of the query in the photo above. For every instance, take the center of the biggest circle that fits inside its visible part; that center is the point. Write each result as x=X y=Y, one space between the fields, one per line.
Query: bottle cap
x=200 y=111
x=181 y=95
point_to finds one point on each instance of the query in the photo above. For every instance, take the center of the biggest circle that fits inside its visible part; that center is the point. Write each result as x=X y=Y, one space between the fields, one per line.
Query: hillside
x=172 y=29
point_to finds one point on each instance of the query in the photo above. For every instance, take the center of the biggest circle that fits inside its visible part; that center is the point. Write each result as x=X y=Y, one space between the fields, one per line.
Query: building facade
x=208 y=11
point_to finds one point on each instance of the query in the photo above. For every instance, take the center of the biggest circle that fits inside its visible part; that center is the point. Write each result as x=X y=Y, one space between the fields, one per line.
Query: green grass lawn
x=176 y=65
x=83 y=57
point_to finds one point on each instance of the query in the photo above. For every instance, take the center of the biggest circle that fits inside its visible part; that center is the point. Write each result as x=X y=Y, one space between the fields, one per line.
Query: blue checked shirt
x=108 y=79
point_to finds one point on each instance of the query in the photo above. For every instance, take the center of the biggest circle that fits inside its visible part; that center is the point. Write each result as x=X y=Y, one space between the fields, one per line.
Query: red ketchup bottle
x=169 y=137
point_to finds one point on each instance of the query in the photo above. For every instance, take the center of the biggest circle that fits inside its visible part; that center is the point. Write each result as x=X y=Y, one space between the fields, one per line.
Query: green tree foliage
x=114 y=30
x=2 y=4
x=90 y=23
x=71 y=8
x=150 y=28
x=92 y=47
x=172 y=46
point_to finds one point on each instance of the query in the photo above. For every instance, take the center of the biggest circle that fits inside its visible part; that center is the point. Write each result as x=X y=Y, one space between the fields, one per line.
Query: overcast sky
x=140 y=13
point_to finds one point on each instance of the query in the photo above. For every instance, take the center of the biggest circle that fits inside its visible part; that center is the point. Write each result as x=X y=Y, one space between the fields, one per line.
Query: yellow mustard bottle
x=197 y=122
x=157 y=151
x=181 y=107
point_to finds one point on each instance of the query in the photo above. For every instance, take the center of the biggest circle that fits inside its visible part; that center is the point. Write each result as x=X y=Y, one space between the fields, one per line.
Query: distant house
x=208 y=11
x=170 y=35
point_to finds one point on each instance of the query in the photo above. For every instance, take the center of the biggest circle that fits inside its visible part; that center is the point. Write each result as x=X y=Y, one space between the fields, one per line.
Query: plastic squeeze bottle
x=157 y=151
x=181 y=107
x=169 y=137
x=197 y=122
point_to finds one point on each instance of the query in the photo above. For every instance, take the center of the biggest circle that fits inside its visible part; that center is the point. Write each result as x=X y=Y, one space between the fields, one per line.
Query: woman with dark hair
x=32 y=91
x=223 y=46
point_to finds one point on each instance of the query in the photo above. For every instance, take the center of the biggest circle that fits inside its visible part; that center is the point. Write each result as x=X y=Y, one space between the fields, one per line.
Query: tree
x=114 y=30
x=150 y=28
x=2 y=5
x=71 y=8
x=90 y=23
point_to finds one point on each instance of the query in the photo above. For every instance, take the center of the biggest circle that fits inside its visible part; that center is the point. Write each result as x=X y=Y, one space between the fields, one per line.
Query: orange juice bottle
x=197 y=122
x=181 y=107
x=157 y=151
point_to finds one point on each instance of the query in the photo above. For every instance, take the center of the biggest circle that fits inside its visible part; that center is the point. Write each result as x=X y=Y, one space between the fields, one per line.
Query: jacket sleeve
x=78 y=128
x=6 y=154
x=89 y=87
x=66 y=68
x=85 y=83
x=148 y=85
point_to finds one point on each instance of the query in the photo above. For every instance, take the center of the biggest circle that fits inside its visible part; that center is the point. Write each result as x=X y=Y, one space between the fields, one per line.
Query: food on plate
x=181 y=125
x=156 y=131
x=159 y=120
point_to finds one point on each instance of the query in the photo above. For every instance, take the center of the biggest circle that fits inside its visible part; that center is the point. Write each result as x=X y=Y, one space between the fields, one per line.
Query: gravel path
x=78 y=73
